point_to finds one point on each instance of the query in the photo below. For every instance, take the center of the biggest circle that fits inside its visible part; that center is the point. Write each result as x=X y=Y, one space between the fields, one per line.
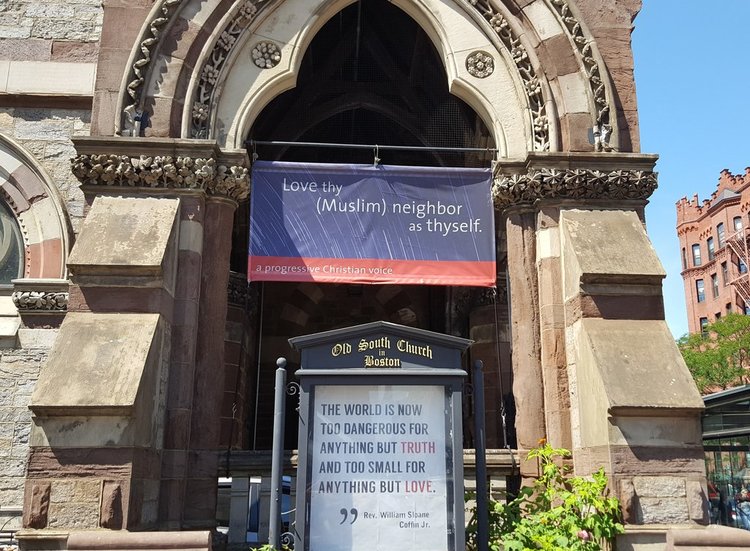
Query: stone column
x=524 y=321
x=552 y=342
x=179 y=406
x=208 y=392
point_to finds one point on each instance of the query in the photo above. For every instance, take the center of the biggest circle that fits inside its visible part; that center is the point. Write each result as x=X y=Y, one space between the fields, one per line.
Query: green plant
x=558 y=512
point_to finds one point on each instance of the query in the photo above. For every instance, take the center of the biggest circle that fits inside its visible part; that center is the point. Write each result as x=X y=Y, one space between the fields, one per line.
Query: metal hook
x=376 y=153
x=255 y=152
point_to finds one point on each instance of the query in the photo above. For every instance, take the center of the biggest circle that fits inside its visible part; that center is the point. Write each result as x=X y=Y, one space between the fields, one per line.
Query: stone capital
x=160 y=164
x=571 y=176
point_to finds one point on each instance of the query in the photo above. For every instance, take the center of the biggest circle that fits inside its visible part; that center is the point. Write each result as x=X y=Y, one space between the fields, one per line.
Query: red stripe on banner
x=352 y=270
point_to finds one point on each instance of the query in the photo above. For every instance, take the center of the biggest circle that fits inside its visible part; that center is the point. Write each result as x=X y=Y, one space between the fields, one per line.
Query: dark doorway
x=370 y=76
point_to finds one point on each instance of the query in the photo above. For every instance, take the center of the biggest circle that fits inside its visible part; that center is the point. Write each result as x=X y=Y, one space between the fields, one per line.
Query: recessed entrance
x=370 y=76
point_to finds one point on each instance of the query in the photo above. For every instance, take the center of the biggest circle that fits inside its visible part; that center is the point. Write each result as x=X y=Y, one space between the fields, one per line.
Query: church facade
x=137 y=361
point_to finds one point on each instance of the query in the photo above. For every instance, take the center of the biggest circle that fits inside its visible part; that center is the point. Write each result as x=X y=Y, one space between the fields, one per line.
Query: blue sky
x=692 y=61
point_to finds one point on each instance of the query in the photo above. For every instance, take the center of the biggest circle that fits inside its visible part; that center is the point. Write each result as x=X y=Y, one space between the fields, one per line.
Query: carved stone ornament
x=247 y=12
x=520 y=57
x=163 y=172
x=572 y=184
x=40 y=301
x=266 y=55
x=480 y=64
x=132 y=113
x=602 y=126
x=238 y=289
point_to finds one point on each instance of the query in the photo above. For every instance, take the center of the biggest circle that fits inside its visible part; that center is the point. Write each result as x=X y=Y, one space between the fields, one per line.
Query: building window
x=737 y=221
x=742 y=266
x=684 y=259
x=747 y=309
x=710 y=245
x=715 y=284
x=724 y=274
x=696 y=255
x=720 y=234
x=729 y=307
x=11 y=246
x=704 y=326
x=717 y=315
x=700 y=290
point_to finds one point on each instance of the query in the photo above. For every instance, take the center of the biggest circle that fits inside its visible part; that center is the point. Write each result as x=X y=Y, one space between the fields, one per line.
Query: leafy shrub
x=558 y=512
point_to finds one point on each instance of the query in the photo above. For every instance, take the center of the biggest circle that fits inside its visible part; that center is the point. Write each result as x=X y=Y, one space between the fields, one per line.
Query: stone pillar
x=179 y=406
x=626 y=401
x=552 y=342
x=208 y=393
x=121 y=448
x=523 y=287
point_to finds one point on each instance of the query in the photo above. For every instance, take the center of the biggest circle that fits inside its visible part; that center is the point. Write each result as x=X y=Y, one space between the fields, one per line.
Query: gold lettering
x=372 y=361
x=415 y=349
x=382 y=342
x=341 y=348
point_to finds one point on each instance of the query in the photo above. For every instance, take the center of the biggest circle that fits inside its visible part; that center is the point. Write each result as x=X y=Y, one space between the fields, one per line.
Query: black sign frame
x=432 y=360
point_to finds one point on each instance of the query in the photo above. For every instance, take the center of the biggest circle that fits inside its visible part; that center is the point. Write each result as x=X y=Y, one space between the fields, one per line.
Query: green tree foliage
x=719 y=357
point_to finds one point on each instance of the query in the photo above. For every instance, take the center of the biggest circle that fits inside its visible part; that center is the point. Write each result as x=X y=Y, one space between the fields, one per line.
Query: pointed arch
x=184 y=87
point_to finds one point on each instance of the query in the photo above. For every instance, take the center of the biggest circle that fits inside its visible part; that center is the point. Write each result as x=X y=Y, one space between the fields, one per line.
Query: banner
x=340 y=223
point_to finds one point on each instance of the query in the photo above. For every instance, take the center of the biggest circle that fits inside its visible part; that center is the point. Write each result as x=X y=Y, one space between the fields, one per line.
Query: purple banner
x=371 y=224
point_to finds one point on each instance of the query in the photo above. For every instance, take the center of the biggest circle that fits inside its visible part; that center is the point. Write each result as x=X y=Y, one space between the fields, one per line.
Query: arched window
x=11 y=246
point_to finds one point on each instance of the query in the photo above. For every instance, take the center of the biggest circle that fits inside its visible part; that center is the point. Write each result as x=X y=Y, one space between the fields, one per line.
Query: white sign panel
x=378 y=474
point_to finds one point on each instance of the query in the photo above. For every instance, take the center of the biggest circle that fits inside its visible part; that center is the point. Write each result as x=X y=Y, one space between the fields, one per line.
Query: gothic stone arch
x=178 y=86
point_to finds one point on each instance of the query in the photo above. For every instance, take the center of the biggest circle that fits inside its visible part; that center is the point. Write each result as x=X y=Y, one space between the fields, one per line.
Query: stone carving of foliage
x=210 y=72
x=163 y=171
x=40 y=301
x=579 y=183
x=602 y=126
x=132 y=112
x=520 y=56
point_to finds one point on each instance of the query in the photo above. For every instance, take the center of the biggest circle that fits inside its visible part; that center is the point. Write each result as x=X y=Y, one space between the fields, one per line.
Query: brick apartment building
x=714 y=250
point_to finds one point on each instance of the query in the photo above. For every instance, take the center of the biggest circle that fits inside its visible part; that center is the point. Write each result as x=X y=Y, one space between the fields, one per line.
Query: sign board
x=341 y=223
x=380 y=447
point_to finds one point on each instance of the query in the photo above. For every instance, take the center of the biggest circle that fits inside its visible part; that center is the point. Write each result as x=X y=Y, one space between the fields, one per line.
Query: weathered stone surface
x=37 y=499
x=110 y=352
x=663 y=510
x=628 y=501
x=111 y=513
x=80 y=490
x=659 y=486
x=527 y=368
x=74 y=516
x=125 y=233
x=14 y=49
x=715 y=537
x=157 y=541
x=606 y=246
x=697 y=501
x=639 y=365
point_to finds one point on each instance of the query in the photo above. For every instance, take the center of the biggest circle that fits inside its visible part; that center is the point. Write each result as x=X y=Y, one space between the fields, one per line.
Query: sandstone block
x=659 y=486
x=663 y=510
